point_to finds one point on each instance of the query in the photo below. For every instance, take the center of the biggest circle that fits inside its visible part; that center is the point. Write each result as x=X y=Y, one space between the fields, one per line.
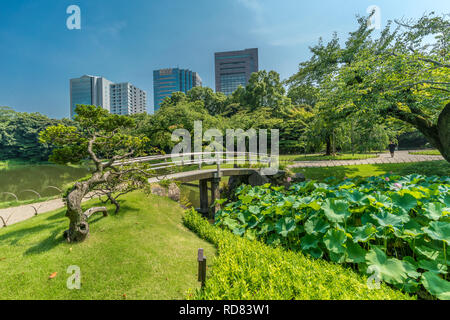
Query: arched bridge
x=204 y=176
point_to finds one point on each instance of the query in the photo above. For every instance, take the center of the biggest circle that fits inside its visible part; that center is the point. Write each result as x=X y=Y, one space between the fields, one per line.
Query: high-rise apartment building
x=168 y=81
x=233 y=68
x=120 y=98
x=127 y=99
x=90 y=90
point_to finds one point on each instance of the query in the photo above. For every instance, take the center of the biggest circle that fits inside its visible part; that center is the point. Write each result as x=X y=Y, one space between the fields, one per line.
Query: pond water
x=41 y=178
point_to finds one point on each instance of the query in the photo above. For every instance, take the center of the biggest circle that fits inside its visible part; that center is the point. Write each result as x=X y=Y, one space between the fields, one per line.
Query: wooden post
x=215 y=194
x=201 y=267
x=203 y=186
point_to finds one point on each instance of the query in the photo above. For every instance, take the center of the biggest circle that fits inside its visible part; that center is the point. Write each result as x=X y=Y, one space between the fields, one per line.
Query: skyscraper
x=233 y=68
x=90 y=90
x=127 y=99
x=168 y=81
x=120 y=98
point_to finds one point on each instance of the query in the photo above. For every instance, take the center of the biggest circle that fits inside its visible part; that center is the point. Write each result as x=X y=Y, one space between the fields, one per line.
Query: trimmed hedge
x=247 y=269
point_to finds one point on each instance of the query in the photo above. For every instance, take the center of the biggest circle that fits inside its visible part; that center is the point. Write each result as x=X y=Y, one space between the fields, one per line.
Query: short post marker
x=201 y=267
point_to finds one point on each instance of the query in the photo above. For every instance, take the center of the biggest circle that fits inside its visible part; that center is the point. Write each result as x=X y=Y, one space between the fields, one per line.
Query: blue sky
x=127 y=40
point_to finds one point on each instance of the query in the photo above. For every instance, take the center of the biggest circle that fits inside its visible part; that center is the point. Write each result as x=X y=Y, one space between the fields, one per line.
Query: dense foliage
x=19 y=135
x=403 y=74
x=395 y=226
x=247 y=270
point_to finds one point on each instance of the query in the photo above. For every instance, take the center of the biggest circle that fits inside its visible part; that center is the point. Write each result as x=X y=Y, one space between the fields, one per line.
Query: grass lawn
x=143 y=252
x=343 y=156
x=440 y=168
x=427 y=153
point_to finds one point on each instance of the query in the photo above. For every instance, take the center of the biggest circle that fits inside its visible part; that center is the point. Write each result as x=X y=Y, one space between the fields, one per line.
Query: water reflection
x=39 y=178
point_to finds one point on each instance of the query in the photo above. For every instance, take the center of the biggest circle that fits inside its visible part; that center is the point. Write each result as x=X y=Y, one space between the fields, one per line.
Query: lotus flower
x=289 y=179
x=398 y=185
x=387 y=179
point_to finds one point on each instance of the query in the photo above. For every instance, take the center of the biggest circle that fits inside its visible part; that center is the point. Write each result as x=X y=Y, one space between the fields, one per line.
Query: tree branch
x=98 y=163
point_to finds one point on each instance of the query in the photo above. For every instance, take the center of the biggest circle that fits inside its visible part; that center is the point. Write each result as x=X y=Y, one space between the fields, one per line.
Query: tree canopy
x=402 y=74
x=19 y=135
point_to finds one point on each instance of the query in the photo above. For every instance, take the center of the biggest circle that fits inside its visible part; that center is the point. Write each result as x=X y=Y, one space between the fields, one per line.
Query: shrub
x=395 y=226
x=246 y=269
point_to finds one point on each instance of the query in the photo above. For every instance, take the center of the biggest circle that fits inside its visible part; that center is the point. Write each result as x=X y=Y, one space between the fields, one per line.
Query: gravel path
x=16 y=214
x=400 y=157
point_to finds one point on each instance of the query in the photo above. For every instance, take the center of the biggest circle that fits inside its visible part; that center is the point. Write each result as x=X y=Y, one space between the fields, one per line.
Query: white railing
x=198 y=158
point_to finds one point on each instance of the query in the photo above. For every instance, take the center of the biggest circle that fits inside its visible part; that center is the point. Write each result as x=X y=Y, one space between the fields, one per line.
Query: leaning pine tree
x=103 y=139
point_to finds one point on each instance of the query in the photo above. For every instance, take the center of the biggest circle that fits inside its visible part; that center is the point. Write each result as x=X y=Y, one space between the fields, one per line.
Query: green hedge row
x=245 y=269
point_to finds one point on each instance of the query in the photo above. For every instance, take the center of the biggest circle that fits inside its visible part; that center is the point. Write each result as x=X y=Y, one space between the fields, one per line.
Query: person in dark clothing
x=392 y=146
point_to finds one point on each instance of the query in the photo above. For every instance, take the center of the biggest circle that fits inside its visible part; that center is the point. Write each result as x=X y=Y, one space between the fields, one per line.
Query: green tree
x=214 y=102
x=263 y=90
x=177 y=114
x=308 y=85
x=19 y=135
x=403 y=74
x=103 y=139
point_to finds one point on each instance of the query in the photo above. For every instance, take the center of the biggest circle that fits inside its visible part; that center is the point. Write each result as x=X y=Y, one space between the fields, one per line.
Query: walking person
x=392 y=146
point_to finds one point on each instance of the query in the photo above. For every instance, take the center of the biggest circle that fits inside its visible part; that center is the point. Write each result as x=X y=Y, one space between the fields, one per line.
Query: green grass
x=247 y=269
x=427 y=153
x=343 y=156
x=440 y=168
x=13 y=163
x=144 y=252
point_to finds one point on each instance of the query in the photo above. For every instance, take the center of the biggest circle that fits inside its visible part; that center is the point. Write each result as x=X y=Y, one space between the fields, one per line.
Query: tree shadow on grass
x=55 y=239
x=323 y=173
x=58 y=215
x=15 y=236
x=57 y=229
x=124 y=209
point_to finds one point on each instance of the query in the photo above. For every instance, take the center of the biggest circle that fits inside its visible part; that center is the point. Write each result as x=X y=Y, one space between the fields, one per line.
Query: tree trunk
x=78 y=227
x=328 y=141
x=114 y=202
x=437 y=134
x=443 y=127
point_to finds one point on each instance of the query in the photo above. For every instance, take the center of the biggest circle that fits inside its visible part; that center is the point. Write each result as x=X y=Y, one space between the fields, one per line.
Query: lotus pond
x=394 y=228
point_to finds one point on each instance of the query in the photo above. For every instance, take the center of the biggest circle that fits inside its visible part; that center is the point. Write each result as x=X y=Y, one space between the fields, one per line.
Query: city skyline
x=42 y=53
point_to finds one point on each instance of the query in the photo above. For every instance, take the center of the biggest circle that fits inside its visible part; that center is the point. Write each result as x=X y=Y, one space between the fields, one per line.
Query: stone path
x=16 y=214
x=399 y=157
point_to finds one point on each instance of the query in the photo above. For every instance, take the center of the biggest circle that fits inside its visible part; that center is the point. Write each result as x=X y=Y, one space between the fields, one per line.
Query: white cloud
x=279 y=34
x=256 y=8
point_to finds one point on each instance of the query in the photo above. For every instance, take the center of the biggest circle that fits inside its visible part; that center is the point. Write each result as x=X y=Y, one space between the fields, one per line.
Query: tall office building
x=127 y=99
x=120 y=98
x=168 y=81
x=233 y=68
x=90 y=90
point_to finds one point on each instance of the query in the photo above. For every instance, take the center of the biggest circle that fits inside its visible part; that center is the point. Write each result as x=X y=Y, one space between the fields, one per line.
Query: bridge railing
x=199 y=158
